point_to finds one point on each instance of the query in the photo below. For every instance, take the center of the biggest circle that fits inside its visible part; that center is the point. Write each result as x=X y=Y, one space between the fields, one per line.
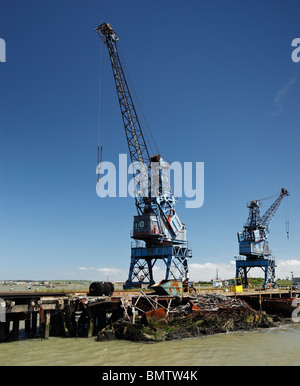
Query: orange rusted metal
x=195 y=308
x=168 y=287
x=42 y=315
x=158 y=315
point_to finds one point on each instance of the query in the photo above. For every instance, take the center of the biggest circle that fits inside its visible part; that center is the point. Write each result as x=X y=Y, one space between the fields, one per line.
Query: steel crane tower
x=158 y=233
x=253 y=241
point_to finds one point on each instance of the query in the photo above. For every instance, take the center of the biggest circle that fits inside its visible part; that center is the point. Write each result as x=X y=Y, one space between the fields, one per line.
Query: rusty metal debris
x=164 y=308
x=216 y=302
x=157 y=318
x=148 y=306
x=158 y=315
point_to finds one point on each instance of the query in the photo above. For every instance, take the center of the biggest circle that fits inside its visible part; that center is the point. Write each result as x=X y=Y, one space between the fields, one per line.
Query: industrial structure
x=253 y=242
x=158 y=233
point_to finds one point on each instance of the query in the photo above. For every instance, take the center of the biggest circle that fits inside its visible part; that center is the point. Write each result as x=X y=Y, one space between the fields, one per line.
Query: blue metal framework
x=268 y=265
x=253 y=242
x=157 y=226
x=143 y=260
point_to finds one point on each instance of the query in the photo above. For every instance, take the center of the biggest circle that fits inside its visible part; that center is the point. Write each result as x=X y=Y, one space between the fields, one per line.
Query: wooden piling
x=15 y=330
x=33 y=324
x=42 y=323
x=260 y=300
x=91 y=327
x=28 y=325
x=4 y=331
x=64 y=323
x=47 y=325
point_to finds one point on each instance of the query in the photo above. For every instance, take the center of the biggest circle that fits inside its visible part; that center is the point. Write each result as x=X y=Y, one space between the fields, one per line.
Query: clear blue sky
x=217 y=85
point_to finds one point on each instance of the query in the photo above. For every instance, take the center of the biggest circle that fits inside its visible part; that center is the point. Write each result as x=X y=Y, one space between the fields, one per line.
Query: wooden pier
x=40 y=315
x=60 y=314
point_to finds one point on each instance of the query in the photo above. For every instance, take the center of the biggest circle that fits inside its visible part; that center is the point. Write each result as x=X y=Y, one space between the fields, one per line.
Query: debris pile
x=177 y=318
x=211 y=303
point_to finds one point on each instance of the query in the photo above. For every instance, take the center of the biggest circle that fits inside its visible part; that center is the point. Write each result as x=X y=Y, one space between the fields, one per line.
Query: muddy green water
x=275 y=346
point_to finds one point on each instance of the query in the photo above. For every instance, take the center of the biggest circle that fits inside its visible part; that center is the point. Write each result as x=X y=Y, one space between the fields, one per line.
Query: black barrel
x=96 y=288
x=112 y=288
x=108 y=288
x=99 y=288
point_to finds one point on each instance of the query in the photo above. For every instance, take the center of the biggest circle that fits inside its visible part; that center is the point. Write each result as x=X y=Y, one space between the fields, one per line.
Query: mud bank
x=201 y=315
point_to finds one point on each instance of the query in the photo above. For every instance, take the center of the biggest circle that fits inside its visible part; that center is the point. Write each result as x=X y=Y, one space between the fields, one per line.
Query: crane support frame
x=268 y=265
x=143 y=260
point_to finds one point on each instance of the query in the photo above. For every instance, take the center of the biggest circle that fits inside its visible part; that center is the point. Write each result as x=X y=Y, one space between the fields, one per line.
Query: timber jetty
x=44 y=314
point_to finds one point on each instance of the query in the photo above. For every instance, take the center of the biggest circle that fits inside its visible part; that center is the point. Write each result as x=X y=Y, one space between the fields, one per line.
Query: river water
x=274 y=346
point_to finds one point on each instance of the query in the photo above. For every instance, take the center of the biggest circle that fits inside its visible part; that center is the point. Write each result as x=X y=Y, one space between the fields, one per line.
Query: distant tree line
x=255 y=281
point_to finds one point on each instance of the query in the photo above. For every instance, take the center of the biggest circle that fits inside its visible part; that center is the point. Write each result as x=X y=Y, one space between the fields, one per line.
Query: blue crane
x=158 y=233
x=253 y=241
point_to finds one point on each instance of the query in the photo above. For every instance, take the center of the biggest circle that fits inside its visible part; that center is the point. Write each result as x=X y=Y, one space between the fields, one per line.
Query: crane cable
x=100 y=111
x=287 y=221
x=269 y=198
